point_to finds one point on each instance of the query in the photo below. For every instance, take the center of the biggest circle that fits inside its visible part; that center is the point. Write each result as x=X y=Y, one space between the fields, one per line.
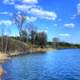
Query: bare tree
x=19 y=20
x=24 y=35
x=42 y=39
x=56 y=42
x=2 y=35
x=6 y=43
x=6 y=38
x=5 y=31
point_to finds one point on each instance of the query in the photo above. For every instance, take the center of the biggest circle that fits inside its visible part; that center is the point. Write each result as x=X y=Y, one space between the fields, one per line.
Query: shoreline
x=34 y=50
x=3 y=57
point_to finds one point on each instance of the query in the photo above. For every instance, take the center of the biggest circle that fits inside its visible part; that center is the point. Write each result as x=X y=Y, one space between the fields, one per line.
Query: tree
x=33 y=36
x=42 y=39
x=56 y=42
x=2 y=39
x=32 y=32
x=5 y=32
x=19 y=20
x=24 y=35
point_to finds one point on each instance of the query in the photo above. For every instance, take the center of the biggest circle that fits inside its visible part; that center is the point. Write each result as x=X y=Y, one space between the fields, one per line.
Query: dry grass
x=3 y=57
x=42 y=49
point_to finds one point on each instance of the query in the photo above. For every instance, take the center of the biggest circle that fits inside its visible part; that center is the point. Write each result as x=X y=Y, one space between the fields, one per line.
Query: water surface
x=53 y=65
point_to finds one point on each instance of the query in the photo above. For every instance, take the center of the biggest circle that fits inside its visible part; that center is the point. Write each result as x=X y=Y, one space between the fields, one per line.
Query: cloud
x=30 y=1
x=5 y=22
x=24 y=7
x=64 y=35
x=32 y=9
x=40 y=13
x=36 y=11
x=10 y=2
x=6 y=13
x=78 y=12
x=78 y=8
x=73 y=16
x=69 y=25
x=31 y=19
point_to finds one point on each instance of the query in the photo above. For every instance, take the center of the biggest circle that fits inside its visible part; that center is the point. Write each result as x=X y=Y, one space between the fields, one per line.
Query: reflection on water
x=54 y=65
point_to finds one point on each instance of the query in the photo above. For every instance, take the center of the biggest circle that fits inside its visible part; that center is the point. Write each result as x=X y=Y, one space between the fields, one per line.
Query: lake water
x=53 y=65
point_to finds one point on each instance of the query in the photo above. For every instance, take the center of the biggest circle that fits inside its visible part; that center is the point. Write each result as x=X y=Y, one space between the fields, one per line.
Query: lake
x=53 y=65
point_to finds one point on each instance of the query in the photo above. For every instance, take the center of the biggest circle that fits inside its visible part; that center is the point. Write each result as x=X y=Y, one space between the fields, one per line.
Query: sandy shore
x=3 y=57
x=33 y=50
x=1 y=72
x=42 y=49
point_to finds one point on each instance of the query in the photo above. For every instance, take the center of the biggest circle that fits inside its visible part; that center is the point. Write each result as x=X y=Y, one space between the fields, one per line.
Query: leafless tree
x=2 y=35
x=42 y=39
x=24 y=35
x=19 y=20
x=56 y=42
x=4 y=38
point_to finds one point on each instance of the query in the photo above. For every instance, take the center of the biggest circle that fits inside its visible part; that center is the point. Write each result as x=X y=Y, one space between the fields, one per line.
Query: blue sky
x=58 y=18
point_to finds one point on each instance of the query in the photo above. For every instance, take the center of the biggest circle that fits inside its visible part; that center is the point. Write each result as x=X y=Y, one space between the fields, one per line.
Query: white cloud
x=73 y=16
x=32 y=9
x=69 y=25
x=78 y=8
x=30 y=1
x=77 y=13
x=37 y=11
x=24 y=7
x=6 y=13
x=5 y=22
x=64 y=35
x=31 y=19
x=11 y=2
x=40 y=13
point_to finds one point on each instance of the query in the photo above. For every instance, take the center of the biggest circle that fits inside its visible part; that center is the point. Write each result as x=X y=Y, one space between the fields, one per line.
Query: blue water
x=53 y=65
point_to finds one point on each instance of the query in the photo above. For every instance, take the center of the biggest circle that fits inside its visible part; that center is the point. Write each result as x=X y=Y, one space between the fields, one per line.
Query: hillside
x=12 y=45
